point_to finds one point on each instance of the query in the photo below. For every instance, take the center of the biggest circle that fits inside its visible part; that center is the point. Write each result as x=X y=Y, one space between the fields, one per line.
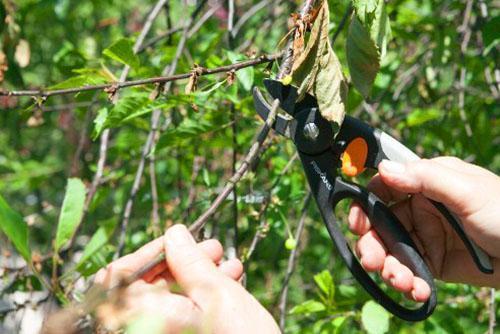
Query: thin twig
x=150 y=142
x=75 y=165
x=292 y=260
x=155 y=210
x=155 y=80
x=465 y=29
x=247 y=15
x=203 y=19
x=242 y=169
x=287 y=63
x=104 y=141
x=492 y=312
x=259 y=235
x=342 y=23
x=197 y=164
x=151 y=42
x=140 y=40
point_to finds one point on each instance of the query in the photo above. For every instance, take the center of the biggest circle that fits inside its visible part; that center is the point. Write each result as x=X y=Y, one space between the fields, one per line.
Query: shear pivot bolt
x=311 y=131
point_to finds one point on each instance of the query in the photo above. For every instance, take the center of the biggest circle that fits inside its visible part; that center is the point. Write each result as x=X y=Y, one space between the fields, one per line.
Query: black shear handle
x=388 y=227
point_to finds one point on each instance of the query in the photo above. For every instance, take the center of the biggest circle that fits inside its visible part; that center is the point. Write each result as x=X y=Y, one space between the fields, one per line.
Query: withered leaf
x=317 y=70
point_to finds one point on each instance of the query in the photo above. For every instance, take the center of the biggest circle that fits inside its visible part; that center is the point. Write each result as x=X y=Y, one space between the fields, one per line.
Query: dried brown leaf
x=317 y=70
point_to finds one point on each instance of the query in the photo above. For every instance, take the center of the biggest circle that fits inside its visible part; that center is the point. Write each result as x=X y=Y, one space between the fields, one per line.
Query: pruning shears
x=356 y=147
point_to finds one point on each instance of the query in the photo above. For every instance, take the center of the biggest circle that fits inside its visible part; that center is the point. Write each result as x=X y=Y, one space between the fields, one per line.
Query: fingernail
x=393 y=167
x=178 y=235
x=414 y=294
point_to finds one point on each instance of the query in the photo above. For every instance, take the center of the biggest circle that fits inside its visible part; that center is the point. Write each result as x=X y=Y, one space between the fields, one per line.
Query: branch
x=155 y=122
x=252 y=154
x=262 y=226
x=103 y=148
x=291 y=263
x=492 y=313
x=264 y=59
x=286 y=66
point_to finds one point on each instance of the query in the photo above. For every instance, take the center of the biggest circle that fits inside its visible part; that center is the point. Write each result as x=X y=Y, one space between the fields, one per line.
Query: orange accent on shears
x=354 y=157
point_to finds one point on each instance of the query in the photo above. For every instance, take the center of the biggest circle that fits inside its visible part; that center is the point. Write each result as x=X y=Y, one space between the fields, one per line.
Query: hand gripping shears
x=321 y=154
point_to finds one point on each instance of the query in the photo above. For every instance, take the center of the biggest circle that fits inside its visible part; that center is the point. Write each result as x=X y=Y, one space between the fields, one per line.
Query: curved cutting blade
x=287 y=95
x=284 y=126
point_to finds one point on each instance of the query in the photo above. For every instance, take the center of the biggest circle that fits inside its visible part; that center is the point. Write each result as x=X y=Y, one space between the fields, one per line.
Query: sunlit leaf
x=71 y=212
x=420 y=116
x=308 y=307
x=246 y=75
x=98 y=240
x=375 y=318
x=364 y=7
x=325 y=282
x=99 y=122
x=122 y=51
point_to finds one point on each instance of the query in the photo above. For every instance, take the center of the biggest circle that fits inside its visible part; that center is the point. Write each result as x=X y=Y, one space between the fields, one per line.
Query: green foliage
x=367 y=39
x=363 y=58
x=122 y=51
x=375 y=318
x=402 y=58
x=96 y=243
x=12 y=224
x=71 y=212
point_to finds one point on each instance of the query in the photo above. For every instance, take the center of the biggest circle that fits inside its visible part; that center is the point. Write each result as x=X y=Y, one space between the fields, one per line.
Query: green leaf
x=71 y=212
x=375 y=318
x=420 y=116
x=373 y=16
x=246 y=75
x=99 y=122
x=325 y=283
x=123 y=52
x=85 y=77
x=364 y=7
x=308 y=307
x=362 y=57
x=380 y=28
x=338 y=324
x=98 y=240
x=188 y=129
x=14 y=227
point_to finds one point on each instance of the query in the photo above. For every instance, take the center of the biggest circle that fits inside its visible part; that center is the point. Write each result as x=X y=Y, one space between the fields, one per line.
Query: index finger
x=130 y=263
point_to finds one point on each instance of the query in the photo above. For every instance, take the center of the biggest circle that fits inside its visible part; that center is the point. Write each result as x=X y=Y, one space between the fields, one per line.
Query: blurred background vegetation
x=437 y=91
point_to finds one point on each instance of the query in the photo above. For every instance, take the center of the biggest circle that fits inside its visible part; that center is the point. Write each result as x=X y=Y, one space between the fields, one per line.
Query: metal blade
x=285 y=127
x=288 y=97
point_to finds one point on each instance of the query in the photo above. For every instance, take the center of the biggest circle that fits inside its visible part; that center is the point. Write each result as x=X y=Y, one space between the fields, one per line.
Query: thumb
x=430 y=178
x=193 y=270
